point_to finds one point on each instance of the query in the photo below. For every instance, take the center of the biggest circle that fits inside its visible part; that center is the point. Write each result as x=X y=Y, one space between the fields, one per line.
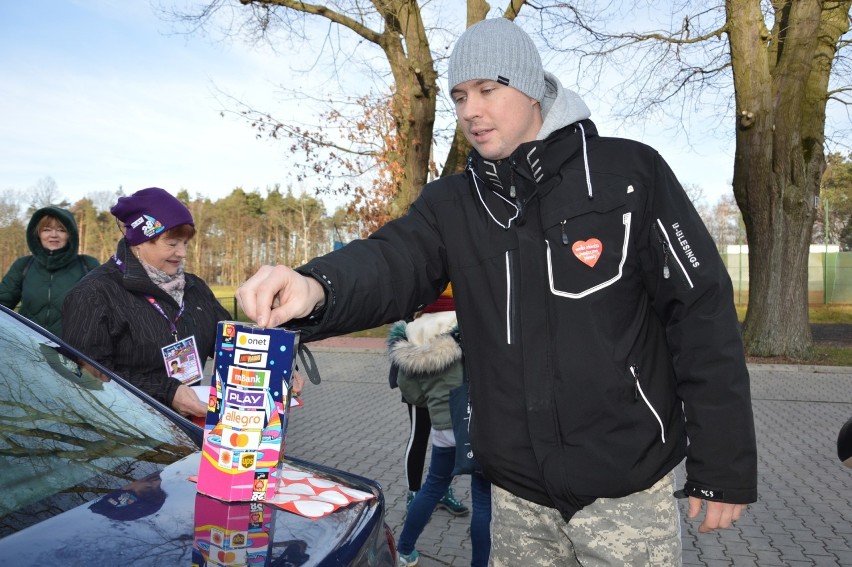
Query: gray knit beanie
x=498 y=50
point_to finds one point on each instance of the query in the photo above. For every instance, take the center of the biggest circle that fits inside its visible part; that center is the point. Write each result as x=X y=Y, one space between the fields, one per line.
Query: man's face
x=495 y=119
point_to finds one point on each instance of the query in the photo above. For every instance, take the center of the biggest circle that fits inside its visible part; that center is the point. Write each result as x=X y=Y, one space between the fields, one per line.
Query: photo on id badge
x=182 y=362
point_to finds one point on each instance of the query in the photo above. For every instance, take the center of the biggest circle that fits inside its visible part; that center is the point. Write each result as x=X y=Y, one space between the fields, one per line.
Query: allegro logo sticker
x=243 y=419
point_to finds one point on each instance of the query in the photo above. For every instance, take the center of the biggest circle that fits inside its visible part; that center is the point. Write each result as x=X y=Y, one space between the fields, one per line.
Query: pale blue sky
x=99 y=94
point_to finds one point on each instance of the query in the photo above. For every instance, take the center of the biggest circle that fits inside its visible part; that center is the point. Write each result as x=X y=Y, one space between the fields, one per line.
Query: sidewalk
x=353 y=421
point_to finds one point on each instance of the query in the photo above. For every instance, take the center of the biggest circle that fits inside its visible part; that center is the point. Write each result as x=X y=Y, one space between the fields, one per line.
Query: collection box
x=231 y=533
x=247 y=412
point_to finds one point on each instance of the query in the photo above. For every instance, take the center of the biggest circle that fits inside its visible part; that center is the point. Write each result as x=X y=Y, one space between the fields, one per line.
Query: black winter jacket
x=596 y=315
x=108 y=317
x=39 y=282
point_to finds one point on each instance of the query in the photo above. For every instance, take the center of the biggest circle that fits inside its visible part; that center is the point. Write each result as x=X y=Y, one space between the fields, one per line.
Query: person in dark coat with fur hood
x=429 y=358
x=39 y=282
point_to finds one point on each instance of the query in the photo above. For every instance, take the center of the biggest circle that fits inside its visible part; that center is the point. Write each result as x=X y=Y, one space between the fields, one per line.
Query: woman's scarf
x=173 y=285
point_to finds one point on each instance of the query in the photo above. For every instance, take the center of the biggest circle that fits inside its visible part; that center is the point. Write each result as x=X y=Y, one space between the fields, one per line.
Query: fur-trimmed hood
x=425 y=345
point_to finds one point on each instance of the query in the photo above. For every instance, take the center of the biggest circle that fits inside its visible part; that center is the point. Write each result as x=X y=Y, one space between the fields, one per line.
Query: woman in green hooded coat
x=39 y=282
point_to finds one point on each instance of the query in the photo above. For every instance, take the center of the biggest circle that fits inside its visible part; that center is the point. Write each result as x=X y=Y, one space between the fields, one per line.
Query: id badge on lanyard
x=182 y=361
x=180 y=357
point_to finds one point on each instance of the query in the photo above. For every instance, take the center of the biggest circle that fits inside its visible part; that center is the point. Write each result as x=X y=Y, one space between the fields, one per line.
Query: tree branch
x=323 y=11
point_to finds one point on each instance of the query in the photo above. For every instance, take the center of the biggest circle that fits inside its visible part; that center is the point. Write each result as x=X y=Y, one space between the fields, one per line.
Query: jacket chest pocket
x=587 y=246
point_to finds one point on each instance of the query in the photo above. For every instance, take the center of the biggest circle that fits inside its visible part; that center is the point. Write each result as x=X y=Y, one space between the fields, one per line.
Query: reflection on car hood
x=161 y=532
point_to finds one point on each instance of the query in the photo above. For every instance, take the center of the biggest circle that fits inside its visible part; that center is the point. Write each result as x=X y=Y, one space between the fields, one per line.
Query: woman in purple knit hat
x=140 y=311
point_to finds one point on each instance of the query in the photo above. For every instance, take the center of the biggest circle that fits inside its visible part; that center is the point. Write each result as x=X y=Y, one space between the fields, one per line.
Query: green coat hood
x=58 y=258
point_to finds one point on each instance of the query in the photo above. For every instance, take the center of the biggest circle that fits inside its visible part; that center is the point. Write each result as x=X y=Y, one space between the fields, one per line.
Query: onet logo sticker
x=253 y=341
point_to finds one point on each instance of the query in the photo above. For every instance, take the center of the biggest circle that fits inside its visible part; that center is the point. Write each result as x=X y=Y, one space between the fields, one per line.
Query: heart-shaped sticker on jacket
x=588 y=251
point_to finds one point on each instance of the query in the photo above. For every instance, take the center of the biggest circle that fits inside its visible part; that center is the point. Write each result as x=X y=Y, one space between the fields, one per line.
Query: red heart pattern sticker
x=300 y=492
x=588 y=251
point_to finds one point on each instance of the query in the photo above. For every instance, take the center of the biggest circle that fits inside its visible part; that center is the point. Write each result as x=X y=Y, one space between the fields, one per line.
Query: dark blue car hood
x=165 y=536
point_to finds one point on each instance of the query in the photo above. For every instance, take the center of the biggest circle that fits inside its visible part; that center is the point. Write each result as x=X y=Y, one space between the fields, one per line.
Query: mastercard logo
x=239 y=439
x=226 y=556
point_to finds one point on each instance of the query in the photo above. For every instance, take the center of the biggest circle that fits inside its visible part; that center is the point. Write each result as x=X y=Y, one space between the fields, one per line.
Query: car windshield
x=67 y=433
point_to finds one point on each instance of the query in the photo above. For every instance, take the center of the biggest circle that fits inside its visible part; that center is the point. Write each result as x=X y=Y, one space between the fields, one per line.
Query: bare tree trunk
x=780 y=157
x=413 y=106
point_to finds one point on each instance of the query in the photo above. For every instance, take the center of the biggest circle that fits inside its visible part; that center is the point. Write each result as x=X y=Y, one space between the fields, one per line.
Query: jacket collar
x=506 y=186
x=135 y=279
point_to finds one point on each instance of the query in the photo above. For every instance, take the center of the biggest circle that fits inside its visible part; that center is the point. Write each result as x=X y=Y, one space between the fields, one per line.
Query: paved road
x=353 y=421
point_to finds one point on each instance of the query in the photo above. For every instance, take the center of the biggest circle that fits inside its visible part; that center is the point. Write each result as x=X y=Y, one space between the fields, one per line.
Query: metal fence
x=829 y=274
x=230 y=303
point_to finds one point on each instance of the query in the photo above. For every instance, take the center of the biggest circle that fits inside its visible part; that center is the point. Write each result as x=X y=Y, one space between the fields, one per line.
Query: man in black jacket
x=597 y=319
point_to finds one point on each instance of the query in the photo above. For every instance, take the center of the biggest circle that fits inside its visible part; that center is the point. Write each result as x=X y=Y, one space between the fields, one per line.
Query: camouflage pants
x=637 y=530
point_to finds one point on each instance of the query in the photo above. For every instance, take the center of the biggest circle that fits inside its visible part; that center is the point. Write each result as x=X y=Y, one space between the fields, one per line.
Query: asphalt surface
x=354 y=421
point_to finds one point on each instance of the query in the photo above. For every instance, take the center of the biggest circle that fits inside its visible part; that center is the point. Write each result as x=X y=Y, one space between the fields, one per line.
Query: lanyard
x=172 y=326
x=153 y=302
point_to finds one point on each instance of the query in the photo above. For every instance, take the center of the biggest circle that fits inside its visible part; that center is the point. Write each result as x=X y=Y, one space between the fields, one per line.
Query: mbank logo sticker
x=246 y=378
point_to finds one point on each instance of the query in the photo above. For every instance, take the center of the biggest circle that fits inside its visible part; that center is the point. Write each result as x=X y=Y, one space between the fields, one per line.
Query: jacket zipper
x=634 y=369
x=49 y=297
x=666 y=242
x=469 y=448
x=510 y=300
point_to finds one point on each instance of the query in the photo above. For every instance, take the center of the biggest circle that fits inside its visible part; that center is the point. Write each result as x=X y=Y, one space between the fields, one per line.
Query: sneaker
x=408 y=560
x=410 y=498
x=452 y=504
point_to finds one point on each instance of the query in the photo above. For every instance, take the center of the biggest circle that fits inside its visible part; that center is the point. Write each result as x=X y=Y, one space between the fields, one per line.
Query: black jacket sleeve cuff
x=735 y=496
